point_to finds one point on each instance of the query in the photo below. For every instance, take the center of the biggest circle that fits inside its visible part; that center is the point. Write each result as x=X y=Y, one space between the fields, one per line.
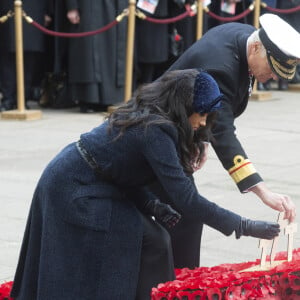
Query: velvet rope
x=4 y=18
x=283 y=11
x=230 y=19
x=74 y=35
x=187 y=13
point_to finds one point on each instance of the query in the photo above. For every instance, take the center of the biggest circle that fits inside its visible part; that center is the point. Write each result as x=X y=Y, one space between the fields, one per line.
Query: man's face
x=258 y=63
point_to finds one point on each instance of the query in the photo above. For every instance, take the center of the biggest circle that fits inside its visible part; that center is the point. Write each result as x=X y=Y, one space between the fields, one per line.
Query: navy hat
x=282 y=43
x=207 y=95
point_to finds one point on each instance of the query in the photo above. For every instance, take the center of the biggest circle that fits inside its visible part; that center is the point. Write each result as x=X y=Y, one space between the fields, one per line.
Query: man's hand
x=276 y=201
x=73 y=16
x=47 y=20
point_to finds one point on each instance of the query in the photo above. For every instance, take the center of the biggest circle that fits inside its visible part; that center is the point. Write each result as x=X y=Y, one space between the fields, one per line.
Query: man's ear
x=255 y=48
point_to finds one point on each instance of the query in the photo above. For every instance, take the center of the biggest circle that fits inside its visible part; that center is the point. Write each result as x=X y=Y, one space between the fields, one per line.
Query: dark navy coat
x=222 y=53
x=96 y=64
x=33 y=39
x=83 y=236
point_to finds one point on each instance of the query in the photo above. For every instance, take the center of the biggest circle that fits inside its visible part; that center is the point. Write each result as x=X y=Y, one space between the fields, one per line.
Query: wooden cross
x=264 y=245
x=282 y=223
x=289 y=231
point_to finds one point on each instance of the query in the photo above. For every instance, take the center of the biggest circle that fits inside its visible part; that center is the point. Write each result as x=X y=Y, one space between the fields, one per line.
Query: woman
x=85 y=237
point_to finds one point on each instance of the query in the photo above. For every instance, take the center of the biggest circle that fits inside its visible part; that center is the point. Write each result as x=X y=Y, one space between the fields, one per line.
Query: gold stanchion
x=258 y=95
x=199 y=19
x=256 y=14
x=20 y=113
x=129 y=50
x=129 y=54
x=19 y=56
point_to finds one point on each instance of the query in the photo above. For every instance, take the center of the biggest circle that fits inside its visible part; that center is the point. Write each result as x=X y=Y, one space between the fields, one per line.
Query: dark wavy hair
x=170 y=99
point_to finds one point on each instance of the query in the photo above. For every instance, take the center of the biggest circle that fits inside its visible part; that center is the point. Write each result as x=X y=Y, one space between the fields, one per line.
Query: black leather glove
x=162 y=212
x=258 y=229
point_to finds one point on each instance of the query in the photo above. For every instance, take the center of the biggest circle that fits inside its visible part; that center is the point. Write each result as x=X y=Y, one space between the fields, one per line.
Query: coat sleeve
x=230 y=151
x=160 y=152
x=226 y=143
x=140 y=196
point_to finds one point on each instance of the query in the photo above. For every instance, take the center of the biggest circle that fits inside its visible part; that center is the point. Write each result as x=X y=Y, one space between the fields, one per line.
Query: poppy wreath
x=226 y=281
x=5 y=289
x=230 y=282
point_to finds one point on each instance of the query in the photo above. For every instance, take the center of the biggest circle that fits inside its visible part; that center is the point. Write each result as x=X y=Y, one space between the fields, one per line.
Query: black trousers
x=185 y=236
x=32 y=74
x=186 y=242
x=156 y=258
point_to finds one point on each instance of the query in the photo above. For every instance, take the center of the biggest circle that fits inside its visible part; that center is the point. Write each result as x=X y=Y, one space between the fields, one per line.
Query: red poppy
x=284 y=281
x=198 y=295
x=294 y=282
x=156 y=294
x=214 y=294
x=186 y=294
x=5 y=289
x=234 y=293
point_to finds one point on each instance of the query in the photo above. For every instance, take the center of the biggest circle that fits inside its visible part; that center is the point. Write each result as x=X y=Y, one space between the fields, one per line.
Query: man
x=234 y=54
x=34 y=49
x=96 y=63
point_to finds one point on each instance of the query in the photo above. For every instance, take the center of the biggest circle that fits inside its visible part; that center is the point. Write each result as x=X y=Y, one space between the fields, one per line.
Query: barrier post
x=129 y=50
x=199 y=19
x=258 y=95
x=256 y=14
x=19 y=56
x=20 y=113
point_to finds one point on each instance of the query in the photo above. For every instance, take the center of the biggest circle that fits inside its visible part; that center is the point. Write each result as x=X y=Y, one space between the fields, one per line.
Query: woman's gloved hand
x=259 y=229
x=162 y=212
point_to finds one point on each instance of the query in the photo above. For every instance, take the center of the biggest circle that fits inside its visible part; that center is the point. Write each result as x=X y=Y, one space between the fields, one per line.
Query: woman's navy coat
x=83 y=237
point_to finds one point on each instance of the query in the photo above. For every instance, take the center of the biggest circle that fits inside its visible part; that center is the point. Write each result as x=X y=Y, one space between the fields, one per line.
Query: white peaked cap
x=282 y=43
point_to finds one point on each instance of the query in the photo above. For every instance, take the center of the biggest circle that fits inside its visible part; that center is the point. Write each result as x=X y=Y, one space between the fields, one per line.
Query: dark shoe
x=267 y=85
x=260 y=86
x=84 y=108
x=7 y=105
x=264 y=86
x=282 y=85
x=90 y=108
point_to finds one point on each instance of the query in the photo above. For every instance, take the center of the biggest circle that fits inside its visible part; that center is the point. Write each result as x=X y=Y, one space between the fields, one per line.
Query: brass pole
x=256 y=25
x=199 y=19
x=256 y=13
x=19 y=55
x=129 y=50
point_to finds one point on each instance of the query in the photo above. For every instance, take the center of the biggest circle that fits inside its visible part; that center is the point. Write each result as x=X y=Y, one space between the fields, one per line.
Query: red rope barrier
x=188 y=13
x=74 y=35
x=230 y=19
x=283 y=11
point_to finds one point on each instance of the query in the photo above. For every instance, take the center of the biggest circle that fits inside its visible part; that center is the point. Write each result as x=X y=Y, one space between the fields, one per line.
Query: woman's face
x=198 y=120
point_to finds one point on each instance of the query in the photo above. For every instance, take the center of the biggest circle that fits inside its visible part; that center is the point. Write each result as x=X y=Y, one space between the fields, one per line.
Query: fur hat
x=207 y=95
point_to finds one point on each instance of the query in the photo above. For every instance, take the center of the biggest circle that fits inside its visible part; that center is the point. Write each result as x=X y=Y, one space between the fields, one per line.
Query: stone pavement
x=269 y=131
